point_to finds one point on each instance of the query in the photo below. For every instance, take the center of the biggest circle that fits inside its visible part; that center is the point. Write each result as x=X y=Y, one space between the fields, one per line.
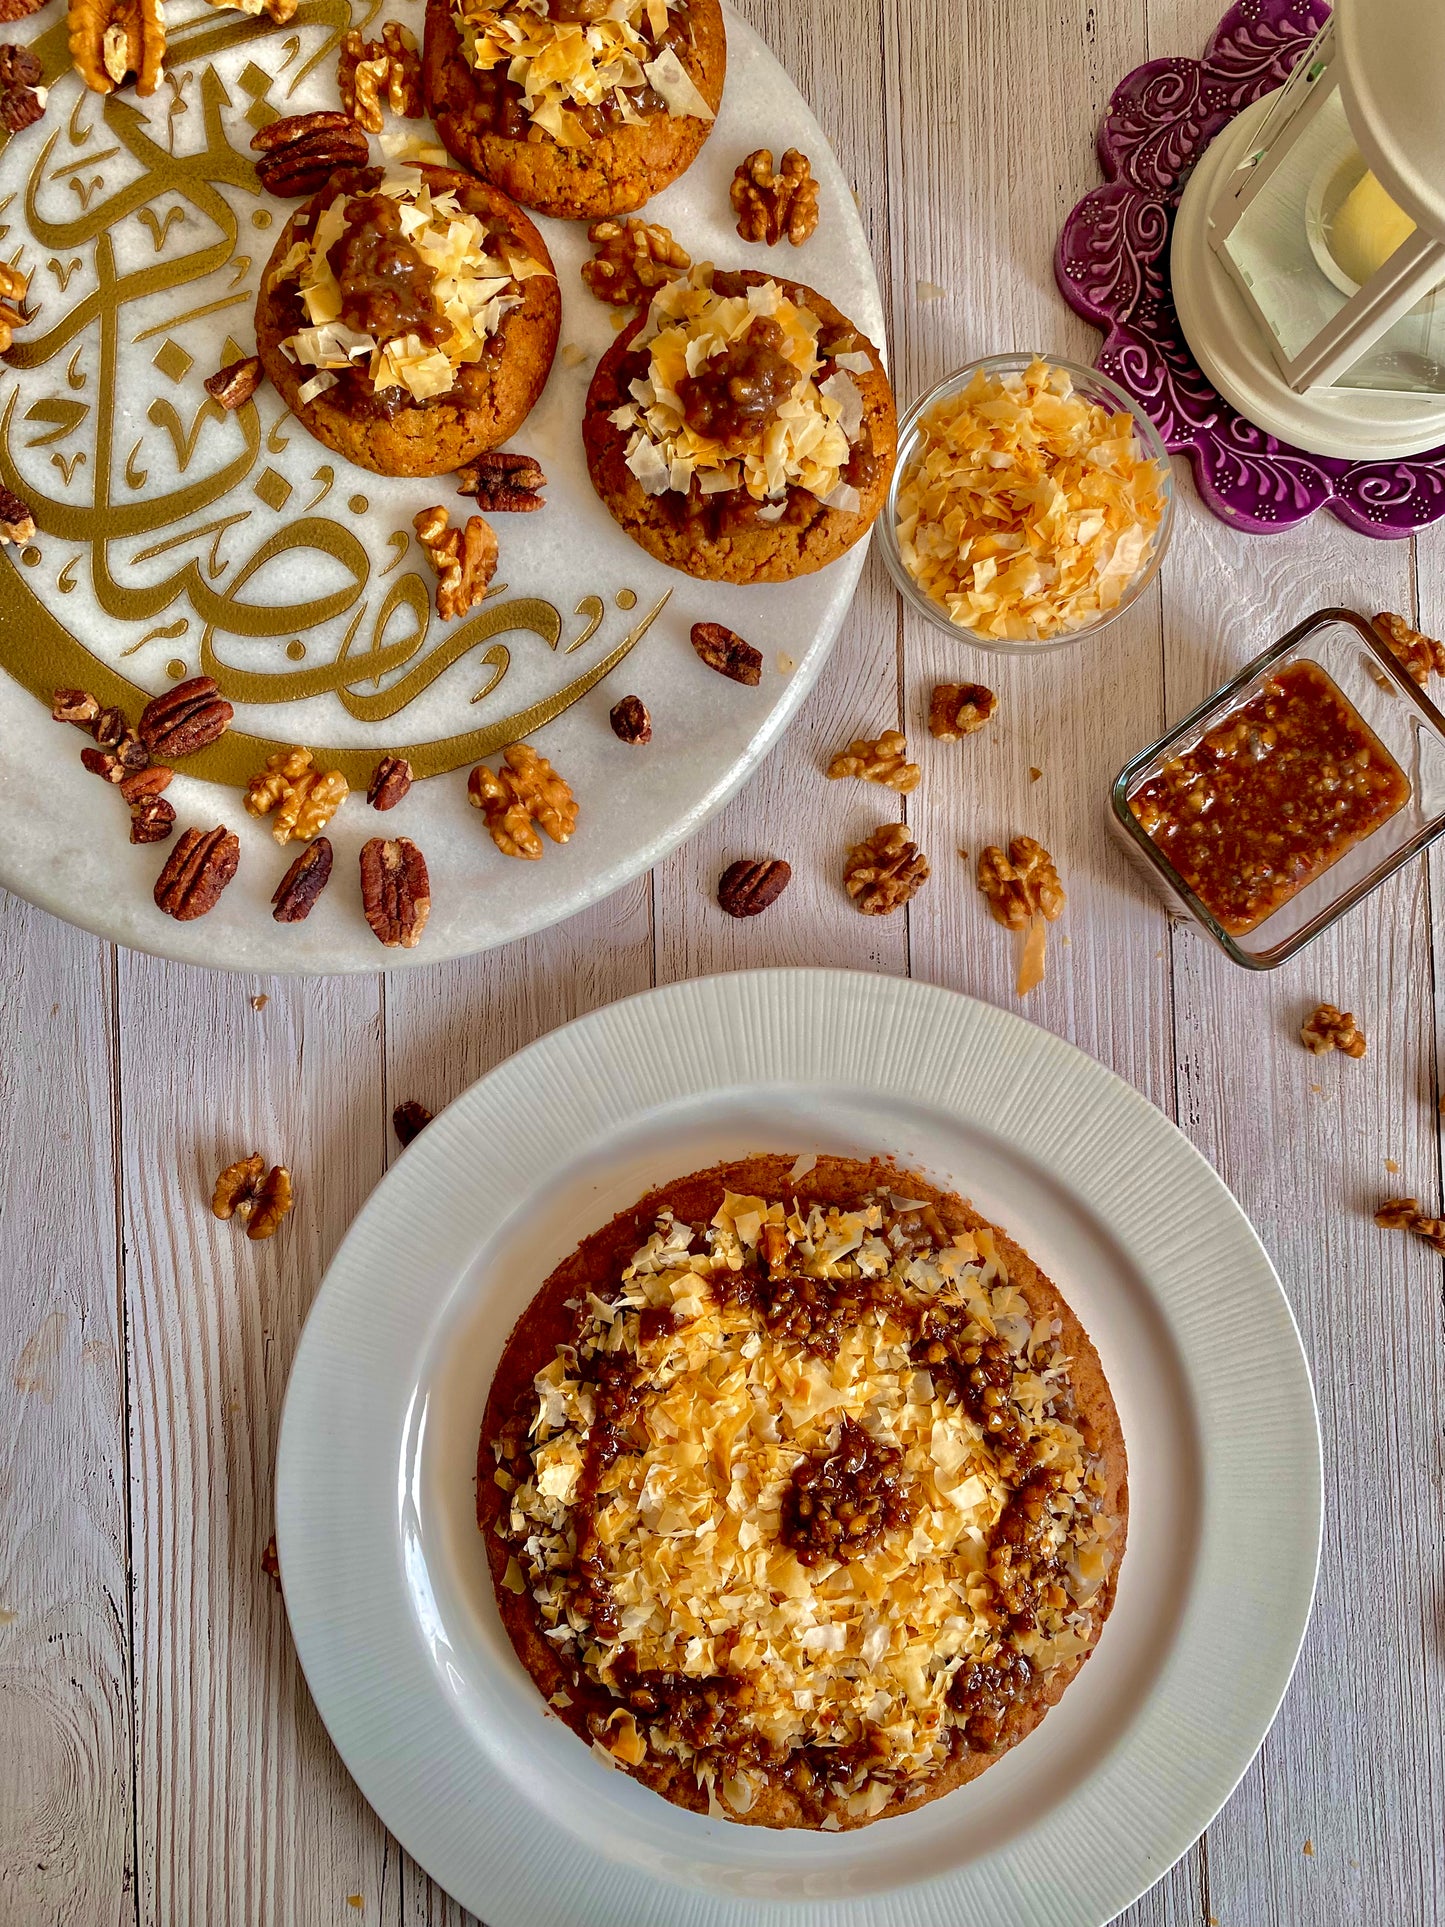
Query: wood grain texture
x=161 y=1764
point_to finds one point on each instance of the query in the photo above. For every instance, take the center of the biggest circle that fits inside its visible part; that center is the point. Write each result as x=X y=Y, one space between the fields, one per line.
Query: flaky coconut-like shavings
x=692 y=1525
x=561 y=65
x=477 y=284
x=1026 y=510
x=806 y=444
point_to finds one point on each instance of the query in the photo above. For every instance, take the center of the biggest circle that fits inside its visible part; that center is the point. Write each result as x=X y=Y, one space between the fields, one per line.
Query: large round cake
x=803 y=1491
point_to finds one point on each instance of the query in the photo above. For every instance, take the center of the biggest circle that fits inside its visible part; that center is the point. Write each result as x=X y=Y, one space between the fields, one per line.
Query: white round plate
x=173 y=538
x=386 y=1578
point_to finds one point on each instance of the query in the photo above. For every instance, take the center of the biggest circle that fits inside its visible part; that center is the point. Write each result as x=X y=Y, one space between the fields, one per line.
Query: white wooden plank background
x=161 y=1764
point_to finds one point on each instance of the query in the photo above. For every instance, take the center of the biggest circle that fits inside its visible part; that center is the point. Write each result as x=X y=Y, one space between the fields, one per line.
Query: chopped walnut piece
x=14 y=287
x=367 y=69
x=258 y=1197
x=76 y=706
x=112 y=39
x=22 y=95
x=234 y=385
x=502 y=483
x=1417 y=654
x=1404 y=1214
x=1327 y=1029
x=880 y=759
x=525 y=790
x=957 y=709
x=885 y=870
x=769 y=205
x=632 y=258
x=465 y=559
x=304 y=798
x=17 y=524
x=1022 y=884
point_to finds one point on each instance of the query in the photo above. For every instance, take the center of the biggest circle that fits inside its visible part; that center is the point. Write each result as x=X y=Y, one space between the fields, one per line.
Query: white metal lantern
x=1308 y=258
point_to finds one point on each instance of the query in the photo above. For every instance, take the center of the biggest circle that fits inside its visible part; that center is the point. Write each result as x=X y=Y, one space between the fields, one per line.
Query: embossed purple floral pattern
x=1112 y=264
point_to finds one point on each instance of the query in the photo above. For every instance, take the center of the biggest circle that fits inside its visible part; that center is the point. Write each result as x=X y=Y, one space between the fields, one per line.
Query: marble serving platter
x=173 y=539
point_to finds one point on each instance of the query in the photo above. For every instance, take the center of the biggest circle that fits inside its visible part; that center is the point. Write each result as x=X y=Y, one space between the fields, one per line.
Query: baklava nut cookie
x=409 y=318
x=741 y=429
x=575 y=107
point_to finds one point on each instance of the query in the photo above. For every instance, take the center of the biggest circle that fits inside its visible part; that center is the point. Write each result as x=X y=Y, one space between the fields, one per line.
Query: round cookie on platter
x=576 y=108
x=741 y=428
x=409 y=318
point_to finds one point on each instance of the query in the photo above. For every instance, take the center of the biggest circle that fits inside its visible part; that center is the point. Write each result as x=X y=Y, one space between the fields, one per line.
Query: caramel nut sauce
x=841 y=1504
x=1270 y=796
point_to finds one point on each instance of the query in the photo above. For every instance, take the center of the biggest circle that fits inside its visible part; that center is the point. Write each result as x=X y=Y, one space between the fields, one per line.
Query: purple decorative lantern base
x=1112 y=265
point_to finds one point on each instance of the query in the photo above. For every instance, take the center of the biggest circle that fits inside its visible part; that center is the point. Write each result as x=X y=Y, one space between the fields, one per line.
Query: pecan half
x=747 y=887
x=769 y=205
x=300 y=153
x=196 y=872
x=112 y=39
x=17 y=524
x=182 y=720
x=885 y=870
x=630 y=720
x=502 y=483
x=390 y=781
x=139 y=785
x=880 y=759
x=152 y=819
x=395 y=891
x=632 y=259
x=234 y=385
x=76 y=706
x=465 y=559
x=14 y=288
x=295 y=895
x=957 y=709
x=724 y=650
x=22 y=97
x=409 y=1120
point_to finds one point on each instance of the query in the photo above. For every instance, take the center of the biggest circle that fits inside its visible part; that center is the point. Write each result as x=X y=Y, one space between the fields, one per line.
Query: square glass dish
x=1403 y=736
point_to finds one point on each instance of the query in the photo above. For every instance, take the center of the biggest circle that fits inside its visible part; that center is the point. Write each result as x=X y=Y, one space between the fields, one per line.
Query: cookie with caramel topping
x=709 y=481
x=804 y=1496
x=581 y=107
x=409 y=318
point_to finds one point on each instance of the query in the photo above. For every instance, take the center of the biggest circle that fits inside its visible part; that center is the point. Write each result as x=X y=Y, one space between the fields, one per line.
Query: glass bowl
x=1404 y=720
x=1093 y=387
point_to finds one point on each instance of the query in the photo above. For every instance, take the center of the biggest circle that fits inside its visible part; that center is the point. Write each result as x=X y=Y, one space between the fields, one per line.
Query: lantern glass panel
x=1316 y=229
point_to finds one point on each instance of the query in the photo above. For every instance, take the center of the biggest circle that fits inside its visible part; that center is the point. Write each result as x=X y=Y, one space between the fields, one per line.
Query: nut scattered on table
x=103 y=763
x=465 y=559
x=75 y=706
x=771 y=204
x=113 y=40
x=1404 y=1214
x=367 y=70
x=957 y=709
x=295 y=895
x=395 y=891
x=1417 y=654
x=749 y=886
x=300 y=153
x=22 y=95
x=1024 y=893
x=17 y=524
x=152 y=819
x=630 y=720
x=270 y=1563
x=273 y=1201
x=631 y=259
x=878 y=759
x=726 y=652
x=1327 y=1029
x=258 y=1197
x=390 y=781
x=409 y=1120
x=524 y=791
x=235 y=384
x=185 y=719
x=304 y=798
x=195 y=873
x=884 y=870
x=502 y=483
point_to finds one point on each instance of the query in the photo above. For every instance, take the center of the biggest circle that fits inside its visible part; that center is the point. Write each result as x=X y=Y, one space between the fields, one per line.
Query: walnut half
x=769 y=205
x=465 y=559
x=879 y=759
x=884 y=870
x=632 y=258
x=1327 y=1029
x=526 y=790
